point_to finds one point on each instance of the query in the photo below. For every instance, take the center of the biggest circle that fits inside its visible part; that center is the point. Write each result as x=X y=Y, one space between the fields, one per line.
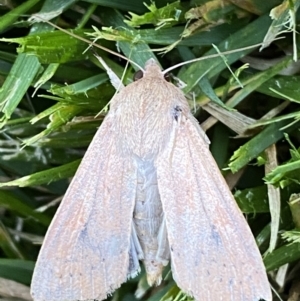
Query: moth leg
x=136 y=243
x=163 y=251
x=135 y=254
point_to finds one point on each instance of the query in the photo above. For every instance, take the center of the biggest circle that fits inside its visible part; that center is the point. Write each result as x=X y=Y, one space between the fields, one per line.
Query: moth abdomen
x=148 y=220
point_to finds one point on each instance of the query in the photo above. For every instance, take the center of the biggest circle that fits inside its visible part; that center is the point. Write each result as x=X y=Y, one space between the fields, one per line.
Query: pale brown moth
x=149 y=189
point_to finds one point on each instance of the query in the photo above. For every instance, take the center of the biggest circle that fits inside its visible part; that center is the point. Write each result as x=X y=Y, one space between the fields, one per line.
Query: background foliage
x=52 y=87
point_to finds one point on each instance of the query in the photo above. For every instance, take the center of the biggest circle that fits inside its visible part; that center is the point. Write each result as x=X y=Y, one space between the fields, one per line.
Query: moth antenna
x=212 y=56
x=114 y=79
x=89 y=42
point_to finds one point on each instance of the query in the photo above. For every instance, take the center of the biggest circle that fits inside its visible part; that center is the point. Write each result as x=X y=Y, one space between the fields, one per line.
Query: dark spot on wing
x=216 y=236
x=176 y=113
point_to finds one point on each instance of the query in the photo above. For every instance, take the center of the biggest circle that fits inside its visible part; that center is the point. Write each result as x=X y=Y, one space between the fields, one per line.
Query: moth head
x=152 y=69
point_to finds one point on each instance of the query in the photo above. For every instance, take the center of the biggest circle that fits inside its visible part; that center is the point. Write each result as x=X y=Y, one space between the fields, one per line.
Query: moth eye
x=138 y=75
x=168 y=77
x=177 y=111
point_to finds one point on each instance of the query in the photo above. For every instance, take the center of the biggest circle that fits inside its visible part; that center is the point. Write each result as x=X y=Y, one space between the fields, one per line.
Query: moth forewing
x=213 y=253
x=85 y=254
x=148 y=188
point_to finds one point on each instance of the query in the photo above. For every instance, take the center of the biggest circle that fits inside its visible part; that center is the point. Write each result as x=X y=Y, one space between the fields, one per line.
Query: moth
x=148 y=189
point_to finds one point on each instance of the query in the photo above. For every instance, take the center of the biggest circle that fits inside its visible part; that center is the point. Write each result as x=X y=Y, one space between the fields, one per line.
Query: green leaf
x=12 y=16
x=250 y=150
x=17 y=270
x=52 y=47
x=46 y=176
x=10 y=202
x=283 y=171
x=253 y=200
x=285 y=254
x=166 y=16
x=248 y=35
x=16 y=84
